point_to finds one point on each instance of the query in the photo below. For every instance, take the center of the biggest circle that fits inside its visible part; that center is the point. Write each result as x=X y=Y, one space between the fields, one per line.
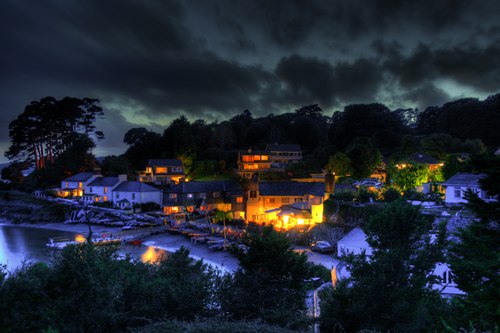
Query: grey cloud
x=319 y=81
x=470 y=65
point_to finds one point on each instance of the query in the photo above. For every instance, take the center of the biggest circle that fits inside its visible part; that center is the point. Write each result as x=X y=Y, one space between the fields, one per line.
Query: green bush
x=150 y=206
x=364 y=195
x=347 y=196
x=391 y=194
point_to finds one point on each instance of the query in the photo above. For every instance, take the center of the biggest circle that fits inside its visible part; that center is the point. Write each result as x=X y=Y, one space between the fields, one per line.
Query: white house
x=355 y=242
x=101 y=188
x=126 y=194
x=75 y=185
x=163 y=171
x=456 y=186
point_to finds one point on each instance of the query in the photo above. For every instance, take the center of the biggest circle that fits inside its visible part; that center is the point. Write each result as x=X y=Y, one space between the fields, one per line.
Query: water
x=29 y=244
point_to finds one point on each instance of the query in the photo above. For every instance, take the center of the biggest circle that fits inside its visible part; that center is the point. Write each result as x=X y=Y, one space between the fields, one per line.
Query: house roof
x=254 y=152
x=283 y=147
x=104 y=181
x=422 y=158
x=204 y=186
x=345 y=187
x=464 y=179
x=356 y=238
x=135 y=187
x=165 y=162
x=80 y=177
x=291 y=188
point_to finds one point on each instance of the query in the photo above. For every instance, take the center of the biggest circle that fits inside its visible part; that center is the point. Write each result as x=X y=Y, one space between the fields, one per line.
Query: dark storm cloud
x=467 y=65
x=315 y=81
x=150 y=61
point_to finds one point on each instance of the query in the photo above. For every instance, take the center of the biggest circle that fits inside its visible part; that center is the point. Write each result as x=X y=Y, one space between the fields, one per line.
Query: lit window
x=96 y=199
x=67 y=185
x=190 y=209
x=269 y=200
x=239 y=199
x=161 y=170
x=264 y=158
x=80 y=185
x=173 y=197
x=105 y=198
x=285 y=200
x=105 y=190
x=246 y=158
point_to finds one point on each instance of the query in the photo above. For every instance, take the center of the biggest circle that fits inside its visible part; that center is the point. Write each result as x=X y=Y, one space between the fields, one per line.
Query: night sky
x=148 y=62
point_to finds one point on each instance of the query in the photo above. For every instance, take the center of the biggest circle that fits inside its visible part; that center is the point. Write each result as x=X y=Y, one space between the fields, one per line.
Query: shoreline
x=222 y=261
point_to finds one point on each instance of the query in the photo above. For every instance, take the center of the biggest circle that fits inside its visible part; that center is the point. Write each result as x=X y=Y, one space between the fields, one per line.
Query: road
x=326 y=260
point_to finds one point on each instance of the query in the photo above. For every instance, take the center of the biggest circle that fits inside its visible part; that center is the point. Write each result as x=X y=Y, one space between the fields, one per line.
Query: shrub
x=391 y=194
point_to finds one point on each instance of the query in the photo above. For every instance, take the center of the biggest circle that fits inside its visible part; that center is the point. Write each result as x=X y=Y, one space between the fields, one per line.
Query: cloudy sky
x=150 y=61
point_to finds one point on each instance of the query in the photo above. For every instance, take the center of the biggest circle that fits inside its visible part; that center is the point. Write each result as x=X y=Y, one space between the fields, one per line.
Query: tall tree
x=475 y=258
x=37 y=135
x=392 y=288
x=365 y=158
x=269 y=283
x=384 y=128
x=178 y=142
x=143 y=146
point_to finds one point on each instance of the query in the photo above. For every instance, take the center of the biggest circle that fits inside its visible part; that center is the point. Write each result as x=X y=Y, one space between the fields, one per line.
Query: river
x=20 y=243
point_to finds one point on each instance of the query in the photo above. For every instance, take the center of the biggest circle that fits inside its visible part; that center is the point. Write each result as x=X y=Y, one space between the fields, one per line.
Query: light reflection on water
x=19 y=243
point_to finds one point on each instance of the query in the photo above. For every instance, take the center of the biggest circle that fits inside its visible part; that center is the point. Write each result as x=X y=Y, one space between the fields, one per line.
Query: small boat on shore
x=136 y=241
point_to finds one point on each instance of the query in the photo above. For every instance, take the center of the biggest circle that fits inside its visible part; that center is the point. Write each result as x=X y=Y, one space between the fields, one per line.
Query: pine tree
x=475 y=258
x=392 y=288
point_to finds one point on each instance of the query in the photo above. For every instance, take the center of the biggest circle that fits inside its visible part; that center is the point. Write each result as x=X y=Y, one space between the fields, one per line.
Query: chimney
x=97 y=171
x=250 y=150
x=330 y=183
x=122 y=177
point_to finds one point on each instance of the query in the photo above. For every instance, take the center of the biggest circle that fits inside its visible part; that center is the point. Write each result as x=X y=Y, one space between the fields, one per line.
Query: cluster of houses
x=284 y=204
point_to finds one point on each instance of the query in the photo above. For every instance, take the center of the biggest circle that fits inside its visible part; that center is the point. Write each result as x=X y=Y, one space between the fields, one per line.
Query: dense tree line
x=49 y=128
x=437 y=131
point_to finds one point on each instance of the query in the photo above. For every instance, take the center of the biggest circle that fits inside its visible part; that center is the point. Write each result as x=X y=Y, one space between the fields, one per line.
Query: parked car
x=321 y=246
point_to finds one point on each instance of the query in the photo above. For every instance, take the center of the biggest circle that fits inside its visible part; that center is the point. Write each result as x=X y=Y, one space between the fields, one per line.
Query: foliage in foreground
x=89 y=289
x=475 y=258
x=391 y=290
x=269 y=284
x=211 y=325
